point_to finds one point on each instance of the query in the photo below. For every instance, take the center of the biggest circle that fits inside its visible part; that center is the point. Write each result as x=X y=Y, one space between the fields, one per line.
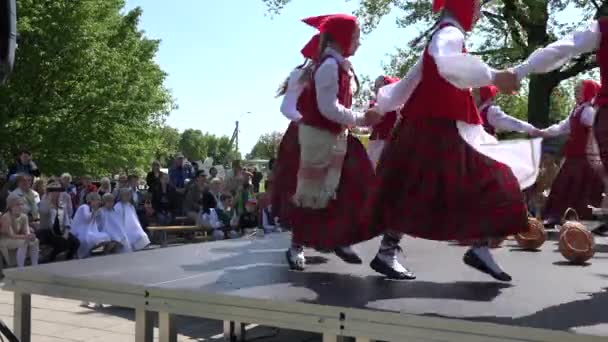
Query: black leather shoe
x=390 y=273
x=293 y=265
x=350 y=258
x=471 y=259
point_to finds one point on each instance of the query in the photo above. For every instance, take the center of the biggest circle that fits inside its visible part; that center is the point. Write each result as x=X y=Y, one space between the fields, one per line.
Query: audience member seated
x=55 y=221
x=194 y=198
x=137 y=198
x=110 y=223
x=70 y=189
x=24 y=164
x=213 y=195
x=248 y=220
x=123 y=182
x=270 y=223
x=164 y=201
x=30 y=198
x=138 y=239
x=153 y=177
x=15 y=233
x=180 y=173
x=86 y=228
x=224 y=221
x=105 y=186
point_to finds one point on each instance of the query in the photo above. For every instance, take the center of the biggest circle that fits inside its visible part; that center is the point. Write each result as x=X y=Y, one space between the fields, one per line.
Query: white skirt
x=521 y=155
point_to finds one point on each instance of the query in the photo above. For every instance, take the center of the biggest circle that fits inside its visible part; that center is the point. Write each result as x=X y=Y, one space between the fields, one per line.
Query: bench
x=165 y=230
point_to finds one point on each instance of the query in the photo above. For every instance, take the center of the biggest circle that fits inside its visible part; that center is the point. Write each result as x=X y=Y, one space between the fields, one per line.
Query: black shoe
x=293 y=265
x=390 y=273
x=349 y=258
x=471 y=259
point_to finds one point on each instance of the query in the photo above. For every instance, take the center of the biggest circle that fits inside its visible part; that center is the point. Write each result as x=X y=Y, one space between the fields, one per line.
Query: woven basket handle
x=568 y=213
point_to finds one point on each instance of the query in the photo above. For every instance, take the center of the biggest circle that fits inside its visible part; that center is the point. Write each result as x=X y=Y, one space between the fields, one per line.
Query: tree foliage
x=196 y=145
x=509 y=31
x=86 y=95
x=267 y=146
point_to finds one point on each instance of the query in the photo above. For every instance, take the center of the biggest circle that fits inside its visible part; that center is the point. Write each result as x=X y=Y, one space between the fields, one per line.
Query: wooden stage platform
x=247 y=281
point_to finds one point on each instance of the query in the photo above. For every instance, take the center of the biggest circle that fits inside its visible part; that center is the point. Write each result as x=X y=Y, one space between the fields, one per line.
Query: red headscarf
x=590 y=90
x=462 y=10
x=487 y=93
x=390 y=79
x=340 y=27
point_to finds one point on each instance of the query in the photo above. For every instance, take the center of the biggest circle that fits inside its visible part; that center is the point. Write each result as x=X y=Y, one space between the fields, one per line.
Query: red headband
x=462 y=10
x=590 y=90
x=487 y=93
x=340 y=27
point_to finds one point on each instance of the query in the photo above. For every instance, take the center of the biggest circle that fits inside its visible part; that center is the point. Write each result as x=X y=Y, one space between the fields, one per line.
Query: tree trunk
x=539 y=99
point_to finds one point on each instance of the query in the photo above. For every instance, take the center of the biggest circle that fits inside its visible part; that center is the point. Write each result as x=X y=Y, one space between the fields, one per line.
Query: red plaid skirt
x=600 y=129
x=339 y=224
x=576 y=186
x=431 y=184
x=284 y=173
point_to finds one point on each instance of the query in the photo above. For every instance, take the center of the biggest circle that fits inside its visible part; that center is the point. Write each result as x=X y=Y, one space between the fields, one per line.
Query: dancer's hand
x=372 y=117
x=507 y=82
x=537 y=133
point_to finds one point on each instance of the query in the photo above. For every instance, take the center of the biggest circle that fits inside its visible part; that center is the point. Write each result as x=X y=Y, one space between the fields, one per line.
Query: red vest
x=308 y=107
x=486 y=123
x=576 y=146
x=435 y=97
x=382 y=130
x=602 y=59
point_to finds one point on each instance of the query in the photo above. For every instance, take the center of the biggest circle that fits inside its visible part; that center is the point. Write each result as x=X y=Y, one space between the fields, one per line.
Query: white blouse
x=503 y=122
x=462 y=70
x=290 y=99
x=563 y=127
x=558 y=53
x=327 y=88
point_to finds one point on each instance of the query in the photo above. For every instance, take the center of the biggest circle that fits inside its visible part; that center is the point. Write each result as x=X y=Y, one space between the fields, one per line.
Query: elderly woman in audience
x=30 y=198
x=138 y=239
x=85 y=226
x=164 y=201
x=15 y=233
x=110 y=223
x=55 y=220
x=105 y=186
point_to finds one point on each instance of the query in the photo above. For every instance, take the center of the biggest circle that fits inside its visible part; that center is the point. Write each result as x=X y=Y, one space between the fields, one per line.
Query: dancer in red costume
x=433 y=181
x=382 y=130
x=333 y=171
x=577 y=185
x=592 y=39
x=494 y=119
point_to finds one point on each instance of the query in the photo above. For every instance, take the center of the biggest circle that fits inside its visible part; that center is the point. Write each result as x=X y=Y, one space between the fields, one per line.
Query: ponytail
x=283 y=86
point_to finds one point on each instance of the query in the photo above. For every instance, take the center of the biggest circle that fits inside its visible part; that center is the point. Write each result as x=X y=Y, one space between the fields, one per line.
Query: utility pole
x=236 y=130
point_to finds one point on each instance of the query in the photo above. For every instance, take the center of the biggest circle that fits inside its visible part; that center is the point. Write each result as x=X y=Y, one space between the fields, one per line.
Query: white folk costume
x=86 y=229
x=332 y=167
x=494 y=119
x=110 y=223
x=138 y=239
x=592 y=39
x=441 y=176
x=382 y=130
x=577 y=184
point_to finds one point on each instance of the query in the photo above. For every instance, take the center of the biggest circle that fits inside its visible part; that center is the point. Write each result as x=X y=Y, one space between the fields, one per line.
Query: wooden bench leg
x=166 y=327
x=164 y=239
x=234 y=331
x=22 y=324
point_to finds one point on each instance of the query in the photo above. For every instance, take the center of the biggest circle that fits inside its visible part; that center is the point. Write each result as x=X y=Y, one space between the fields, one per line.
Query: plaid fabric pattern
x=600 y=129
x=576 y=186
x=285 y=173
x=339 y=224
x=431 y=184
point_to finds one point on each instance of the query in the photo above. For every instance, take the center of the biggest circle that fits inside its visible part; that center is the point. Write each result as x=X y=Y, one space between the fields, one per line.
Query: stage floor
x=546 y=292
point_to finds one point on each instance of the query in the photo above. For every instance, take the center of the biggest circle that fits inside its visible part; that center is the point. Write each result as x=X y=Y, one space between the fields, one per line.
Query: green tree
x=86 y=93
x=267 y=146
x=193 y=144
x=509 y=32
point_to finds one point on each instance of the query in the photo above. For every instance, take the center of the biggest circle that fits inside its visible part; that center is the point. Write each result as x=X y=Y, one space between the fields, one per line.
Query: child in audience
x=85 y=226
x=138 y=239
x=15 y=233
x=223 y=220
x=248 y=220
x=110 y=224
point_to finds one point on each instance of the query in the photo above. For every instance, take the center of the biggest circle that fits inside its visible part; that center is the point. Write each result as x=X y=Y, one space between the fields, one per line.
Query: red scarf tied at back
x=590 y=90
x=340 y=27
x=462 y=10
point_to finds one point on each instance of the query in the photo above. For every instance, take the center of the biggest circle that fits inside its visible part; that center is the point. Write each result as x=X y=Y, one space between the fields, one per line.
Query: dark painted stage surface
x=546 y=291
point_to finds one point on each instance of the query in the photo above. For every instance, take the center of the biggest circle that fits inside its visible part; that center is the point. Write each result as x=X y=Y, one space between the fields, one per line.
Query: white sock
x=390 y=259
x=297 y=254
x=483 y=252
x=21 y=255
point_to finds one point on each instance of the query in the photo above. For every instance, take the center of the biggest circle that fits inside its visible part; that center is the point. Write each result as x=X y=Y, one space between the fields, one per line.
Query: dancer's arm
x=558 y=53
x=289 y=105
x=327 y=87
x=588 y=116
x=559 y=129
x=506 y=123
x=462 y=70
x=391 y=97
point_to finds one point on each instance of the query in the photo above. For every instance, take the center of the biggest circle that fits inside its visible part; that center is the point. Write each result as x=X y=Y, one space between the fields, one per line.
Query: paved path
x=61 y=320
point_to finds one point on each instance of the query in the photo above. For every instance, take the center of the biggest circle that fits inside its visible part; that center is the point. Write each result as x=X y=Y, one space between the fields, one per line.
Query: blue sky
x=225 y=58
